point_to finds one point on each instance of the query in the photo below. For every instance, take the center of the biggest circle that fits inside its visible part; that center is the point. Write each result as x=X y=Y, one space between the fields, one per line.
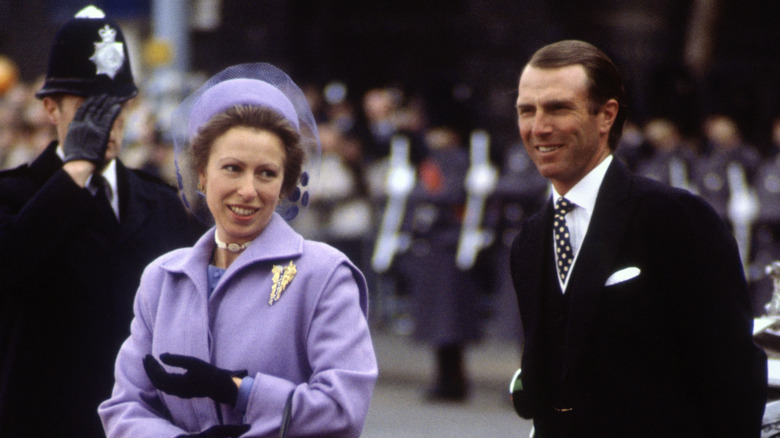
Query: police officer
x=76 y=230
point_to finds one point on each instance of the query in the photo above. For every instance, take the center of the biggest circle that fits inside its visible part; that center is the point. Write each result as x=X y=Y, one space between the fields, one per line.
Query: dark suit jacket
x=668 y=353
x=68 y=276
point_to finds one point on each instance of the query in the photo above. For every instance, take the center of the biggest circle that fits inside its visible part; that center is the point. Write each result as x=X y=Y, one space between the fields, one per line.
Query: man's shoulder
x=667 y=204
x=657 y=191
x=152 y=181
x=17 y=180
x=21 y=171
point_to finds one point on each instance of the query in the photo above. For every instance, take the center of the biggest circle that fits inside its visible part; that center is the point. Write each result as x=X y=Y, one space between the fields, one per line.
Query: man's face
x=563 y=136
x=62 y=114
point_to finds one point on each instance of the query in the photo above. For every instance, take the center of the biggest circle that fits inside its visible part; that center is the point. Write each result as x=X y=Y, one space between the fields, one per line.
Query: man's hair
x=604 y=80
x=255 y=117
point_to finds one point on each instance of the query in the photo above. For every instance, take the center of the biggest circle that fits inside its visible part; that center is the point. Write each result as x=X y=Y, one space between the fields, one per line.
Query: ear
x=609 y=113
x=52 y=110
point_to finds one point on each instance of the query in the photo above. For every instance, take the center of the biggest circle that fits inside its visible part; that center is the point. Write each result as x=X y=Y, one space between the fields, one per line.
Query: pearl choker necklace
x=232 y=247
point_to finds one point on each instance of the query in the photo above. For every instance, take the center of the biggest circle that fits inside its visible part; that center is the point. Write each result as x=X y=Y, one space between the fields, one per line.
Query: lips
x=243 y=211
x=547 y=148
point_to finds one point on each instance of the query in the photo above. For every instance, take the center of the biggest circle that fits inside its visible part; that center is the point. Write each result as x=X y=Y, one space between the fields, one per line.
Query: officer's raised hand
x=201 y=379
x=88 y=133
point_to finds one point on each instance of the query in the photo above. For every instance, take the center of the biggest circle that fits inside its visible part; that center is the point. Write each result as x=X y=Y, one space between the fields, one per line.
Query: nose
x=540 y=125
x=246 y=188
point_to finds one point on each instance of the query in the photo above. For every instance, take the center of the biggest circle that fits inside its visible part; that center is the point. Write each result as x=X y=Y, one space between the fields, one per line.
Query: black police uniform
x=69 y=270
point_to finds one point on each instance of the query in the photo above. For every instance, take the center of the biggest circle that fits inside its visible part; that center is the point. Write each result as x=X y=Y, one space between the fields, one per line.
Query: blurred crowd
x=740 y=180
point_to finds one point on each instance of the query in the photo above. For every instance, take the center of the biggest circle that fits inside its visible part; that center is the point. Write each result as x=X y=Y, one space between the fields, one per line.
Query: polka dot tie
x=564 y=252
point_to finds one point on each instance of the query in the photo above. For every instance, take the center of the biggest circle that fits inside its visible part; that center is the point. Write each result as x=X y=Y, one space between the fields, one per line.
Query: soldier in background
x=670 y=159
x=723 y=145
x=446 y=302
x=724 y=176
x=76 y=230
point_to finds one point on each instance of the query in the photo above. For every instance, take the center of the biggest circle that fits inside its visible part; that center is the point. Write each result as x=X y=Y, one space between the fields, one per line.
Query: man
x=72 y=251
x=633 y=300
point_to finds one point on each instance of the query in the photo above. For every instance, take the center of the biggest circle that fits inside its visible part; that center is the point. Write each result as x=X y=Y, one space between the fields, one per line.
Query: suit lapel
x=592 y=268
x=530 y=261
x=135 y=203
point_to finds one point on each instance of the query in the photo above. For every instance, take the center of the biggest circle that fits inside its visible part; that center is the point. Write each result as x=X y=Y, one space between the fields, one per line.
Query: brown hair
x=256 y=117
x=604 y=80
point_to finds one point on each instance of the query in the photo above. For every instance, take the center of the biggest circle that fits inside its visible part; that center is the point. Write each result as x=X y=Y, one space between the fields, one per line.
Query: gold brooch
x=283 y=275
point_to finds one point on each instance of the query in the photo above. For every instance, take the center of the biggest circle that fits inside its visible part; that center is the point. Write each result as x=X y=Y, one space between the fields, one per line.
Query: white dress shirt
x=583 y=197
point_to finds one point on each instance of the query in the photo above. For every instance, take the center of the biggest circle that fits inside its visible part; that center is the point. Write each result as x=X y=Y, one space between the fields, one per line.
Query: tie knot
x=563 y=206
x=99 y=183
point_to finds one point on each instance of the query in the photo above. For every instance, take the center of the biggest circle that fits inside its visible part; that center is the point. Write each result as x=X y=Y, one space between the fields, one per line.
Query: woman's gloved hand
x=201 y=379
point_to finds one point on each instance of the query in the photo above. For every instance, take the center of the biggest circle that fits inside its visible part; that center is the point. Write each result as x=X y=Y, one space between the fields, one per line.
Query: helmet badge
x=109 y=55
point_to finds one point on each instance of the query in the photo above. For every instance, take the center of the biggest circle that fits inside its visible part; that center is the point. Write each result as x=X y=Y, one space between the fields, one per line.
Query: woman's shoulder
x=326 y=259
x=167 y=261
x=323 y=252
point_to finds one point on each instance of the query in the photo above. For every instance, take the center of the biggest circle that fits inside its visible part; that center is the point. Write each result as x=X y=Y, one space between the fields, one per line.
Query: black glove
x=88 y=133
x=220 y=431
x=201 y=379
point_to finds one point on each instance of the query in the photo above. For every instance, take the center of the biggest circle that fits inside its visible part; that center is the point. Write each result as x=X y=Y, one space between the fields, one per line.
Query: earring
x=201 y=188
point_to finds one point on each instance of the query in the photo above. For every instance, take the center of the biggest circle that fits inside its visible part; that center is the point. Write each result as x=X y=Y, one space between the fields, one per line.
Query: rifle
x=480 y=182
x=398 y=185
x=742 y=210
x=678 y=175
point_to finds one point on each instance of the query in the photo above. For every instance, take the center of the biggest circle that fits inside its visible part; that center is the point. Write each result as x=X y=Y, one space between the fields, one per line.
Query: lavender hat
x=232 y=92
x=258 y=84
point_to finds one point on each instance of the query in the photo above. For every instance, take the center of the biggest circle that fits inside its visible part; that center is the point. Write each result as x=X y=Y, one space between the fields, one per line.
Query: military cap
x=89 y=57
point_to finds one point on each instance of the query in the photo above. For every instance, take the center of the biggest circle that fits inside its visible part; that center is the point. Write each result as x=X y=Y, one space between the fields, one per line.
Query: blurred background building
x=681 y=58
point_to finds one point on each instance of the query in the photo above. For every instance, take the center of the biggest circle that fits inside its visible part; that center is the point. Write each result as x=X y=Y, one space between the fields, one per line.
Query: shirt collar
x=109 y=173
x=584 y=193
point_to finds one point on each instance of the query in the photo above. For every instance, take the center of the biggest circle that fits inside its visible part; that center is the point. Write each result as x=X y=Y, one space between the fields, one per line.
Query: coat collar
x=44 y=166
x=277 y=242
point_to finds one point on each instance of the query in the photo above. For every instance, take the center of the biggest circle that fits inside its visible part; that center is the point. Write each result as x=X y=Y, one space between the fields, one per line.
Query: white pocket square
x=623 y=275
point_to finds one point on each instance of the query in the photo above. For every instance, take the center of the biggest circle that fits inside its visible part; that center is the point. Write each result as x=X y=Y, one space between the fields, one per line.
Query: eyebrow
x=547 y=104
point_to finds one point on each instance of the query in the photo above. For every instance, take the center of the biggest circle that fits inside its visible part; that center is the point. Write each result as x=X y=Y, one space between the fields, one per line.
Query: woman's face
x=243 y=182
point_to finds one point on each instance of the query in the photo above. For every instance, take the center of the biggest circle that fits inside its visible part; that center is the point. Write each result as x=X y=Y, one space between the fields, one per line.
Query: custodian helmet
x=89 y=57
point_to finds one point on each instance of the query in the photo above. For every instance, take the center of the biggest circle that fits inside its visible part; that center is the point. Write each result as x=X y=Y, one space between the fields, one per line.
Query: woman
x=253 y=314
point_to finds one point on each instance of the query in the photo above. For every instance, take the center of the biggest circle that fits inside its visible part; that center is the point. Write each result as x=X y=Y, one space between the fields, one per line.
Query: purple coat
x=314 y=339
